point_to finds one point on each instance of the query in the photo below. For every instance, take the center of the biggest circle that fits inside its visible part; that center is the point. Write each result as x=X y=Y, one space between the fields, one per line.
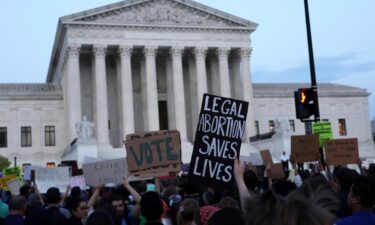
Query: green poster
x=13 y=171
x=324 y=130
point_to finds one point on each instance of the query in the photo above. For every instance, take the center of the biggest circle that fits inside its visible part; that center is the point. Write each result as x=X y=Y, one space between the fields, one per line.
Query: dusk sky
x=342 y=31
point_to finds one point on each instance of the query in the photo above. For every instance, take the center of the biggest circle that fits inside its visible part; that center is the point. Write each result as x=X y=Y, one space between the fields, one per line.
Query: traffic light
x=305 y=100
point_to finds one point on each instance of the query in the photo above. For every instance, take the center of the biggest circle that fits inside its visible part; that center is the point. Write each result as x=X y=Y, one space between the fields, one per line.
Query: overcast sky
x=342 y=31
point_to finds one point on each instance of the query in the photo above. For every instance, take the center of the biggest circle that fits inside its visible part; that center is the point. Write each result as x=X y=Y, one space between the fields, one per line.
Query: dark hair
x=364 y=188
x=73 y=203
x=227 y=216
x=116 y=197
x=151 y=206
x=53 y=195
x=345 y=177
x=284 y=187
x=75 y=192
x=17 y=202
x=100 y=217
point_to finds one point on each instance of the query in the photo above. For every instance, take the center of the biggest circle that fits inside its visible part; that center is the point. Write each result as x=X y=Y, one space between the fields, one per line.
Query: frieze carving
x=162 y=12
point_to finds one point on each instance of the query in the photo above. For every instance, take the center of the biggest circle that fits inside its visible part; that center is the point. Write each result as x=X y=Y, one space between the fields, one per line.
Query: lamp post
x=312 y=64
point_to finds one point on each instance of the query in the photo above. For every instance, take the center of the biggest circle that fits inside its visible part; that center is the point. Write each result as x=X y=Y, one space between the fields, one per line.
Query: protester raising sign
x=218 y=139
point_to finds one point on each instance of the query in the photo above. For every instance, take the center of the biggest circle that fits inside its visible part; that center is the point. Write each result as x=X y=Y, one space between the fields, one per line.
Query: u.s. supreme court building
x=143 y=65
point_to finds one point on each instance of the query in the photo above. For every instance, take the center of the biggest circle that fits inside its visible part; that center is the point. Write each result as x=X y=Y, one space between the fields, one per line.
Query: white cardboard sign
x=52 y=177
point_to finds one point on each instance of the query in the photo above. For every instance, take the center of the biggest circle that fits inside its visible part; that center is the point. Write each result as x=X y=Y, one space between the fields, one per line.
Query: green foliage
x=4 y=163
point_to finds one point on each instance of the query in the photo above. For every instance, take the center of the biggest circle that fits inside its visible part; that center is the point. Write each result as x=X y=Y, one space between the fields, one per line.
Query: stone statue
x=282 y=125
x=85 y=129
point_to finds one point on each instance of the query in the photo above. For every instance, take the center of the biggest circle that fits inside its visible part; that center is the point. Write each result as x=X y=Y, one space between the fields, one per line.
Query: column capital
x=150 y=51
x=99 y=50
x=200 y=52
x=223 y=52
x=73 y=50
x=176 y=51
x=245 y=52
x=125 y=51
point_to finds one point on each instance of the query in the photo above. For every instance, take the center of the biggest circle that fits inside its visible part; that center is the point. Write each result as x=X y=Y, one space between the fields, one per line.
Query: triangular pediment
x=160 y=12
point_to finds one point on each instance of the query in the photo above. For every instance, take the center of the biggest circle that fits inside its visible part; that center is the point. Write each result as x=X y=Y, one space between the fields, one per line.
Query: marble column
x=151 y=89
x=200 y=62
x=235 y=75
x=178 y=91
x=101 y=104
x=248 y=92
x=126 y=84
x=73 y=89
x=224 y=71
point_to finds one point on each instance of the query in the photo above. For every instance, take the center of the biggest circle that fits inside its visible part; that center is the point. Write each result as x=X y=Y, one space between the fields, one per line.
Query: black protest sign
x=218 y=139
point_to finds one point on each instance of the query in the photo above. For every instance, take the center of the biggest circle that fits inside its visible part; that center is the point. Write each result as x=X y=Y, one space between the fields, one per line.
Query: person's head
x=344 y=177
x=78 y=208
x=75 y=192
x=283 y=152
x=228 y=202
x=100 y=217
x=25 y=190
x=188 y=212
x=207 y=198
x=227 y=216
x=17 y=205
x=283 y=187
x=151 y=206
x=34 y=200
x=362 y=193
x=312 y=210
x=118 y=203
x=53 y=195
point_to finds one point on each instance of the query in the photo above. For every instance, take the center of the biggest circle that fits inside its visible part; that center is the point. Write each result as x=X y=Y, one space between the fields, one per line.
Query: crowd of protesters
x=320 y=195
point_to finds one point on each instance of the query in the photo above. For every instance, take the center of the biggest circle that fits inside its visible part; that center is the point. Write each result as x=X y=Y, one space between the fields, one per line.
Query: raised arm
x=132 y=191
x=239 y=169
x=94 y=197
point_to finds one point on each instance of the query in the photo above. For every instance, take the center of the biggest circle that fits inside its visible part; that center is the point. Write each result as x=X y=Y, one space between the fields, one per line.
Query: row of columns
x=150 y=87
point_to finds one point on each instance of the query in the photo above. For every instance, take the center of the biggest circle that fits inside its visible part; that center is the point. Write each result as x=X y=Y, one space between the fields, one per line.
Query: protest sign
x=4 y=180
x=277 y=171
x=52 y=177
x=148 y=152
x=324 y=130
x=103 y=172
x=14 y=186
x=266 y=157
x=305 y=148
x=77 y=181
x=13 y=171
x=218 y=139
x=27 y=171
x=342 y=151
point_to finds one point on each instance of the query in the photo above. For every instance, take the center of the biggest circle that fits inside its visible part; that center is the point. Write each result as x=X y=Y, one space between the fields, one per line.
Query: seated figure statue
x=85 y=129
